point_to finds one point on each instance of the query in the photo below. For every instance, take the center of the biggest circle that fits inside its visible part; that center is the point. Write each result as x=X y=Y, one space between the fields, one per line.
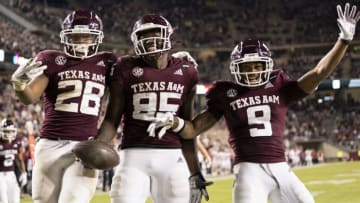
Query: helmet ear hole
x=251 y=51
x=78 y=24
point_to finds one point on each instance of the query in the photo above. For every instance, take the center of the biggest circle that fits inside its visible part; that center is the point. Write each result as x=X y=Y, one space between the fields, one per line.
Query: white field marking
x=348 y=174
x=329 y=182
x=317 y=193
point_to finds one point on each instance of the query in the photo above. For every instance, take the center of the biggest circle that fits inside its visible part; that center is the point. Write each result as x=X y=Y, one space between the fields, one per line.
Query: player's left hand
x=347 y=21
x=186 y=56
x=165 y=122
x=23 y=179
x=198 y=186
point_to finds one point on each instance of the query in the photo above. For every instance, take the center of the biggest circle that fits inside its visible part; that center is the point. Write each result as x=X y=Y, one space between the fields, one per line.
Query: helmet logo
x=94 y=26
x=60 y=60
x=137 y=72
x=232 y=93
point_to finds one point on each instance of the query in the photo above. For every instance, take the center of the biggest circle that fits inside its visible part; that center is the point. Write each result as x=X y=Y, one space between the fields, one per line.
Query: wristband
x=347 y=42
x=181 y=125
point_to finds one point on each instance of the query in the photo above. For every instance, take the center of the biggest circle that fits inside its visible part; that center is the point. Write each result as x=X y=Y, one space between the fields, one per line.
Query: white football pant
x=9 y=188
x=258 y=183
x=162 y=173
x=57 y=177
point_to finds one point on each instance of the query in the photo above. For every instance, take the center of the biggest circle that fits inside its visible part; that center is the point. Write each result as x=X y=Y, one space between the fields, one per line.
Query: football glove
x=165 y=122
x=347 y=22
x=186 y=56
x=26 y=72
x=23 y=179
x=198 y=186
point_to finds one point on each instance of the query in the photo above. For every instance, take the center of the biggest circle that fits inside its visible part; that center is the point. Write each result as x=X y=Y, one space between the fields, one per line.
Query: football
x=96 y=154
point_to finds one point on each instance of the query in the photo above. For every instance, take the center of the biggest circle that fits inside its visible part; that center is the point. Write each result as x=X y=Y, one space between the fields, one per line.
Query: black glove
x=198 y=188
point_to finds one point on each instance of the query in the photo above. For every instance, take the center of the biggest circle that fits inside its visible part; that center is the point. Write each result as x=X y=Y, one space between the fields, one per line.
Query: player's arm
x=201 y=123
x=114 y=112
x=29 y=81
x=186 y=129
x=20 y=160
x=21 y=163
x=197 y=181
x=203 y=150
x=189 y=146
x=33 y=90
x=347 y=20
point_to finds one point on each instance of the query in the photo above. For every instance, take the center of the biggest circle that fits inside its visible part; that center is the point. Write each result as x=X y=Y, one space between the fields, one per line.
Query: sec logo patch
x=137 y=72
x=60 y=60
x=231 y=93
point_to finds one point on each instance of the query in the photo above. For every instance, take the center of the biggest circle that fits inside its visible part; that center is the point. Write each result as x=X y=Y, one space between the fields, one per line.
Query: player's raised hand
x=25 y=72
x=347 y=20
x=186 y=56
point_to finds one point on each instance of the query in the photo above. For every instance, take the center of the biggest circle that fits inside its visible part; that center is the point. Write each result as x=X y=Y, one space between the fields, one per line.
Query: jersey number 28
x=87 y=96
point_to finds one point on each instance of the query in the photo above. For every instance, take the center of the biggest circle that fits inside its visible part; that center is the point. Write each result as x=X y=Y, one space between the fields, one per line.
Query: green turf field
x=329 y=183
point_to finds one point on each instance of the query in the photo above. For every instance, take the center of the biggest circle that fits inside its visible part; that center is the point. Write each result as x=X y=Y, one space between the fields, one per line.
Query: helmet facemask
x=159 y=42
x=81 y=34
x=81 y=48
x=246 y=78
x=257 y=72
x=151 y=34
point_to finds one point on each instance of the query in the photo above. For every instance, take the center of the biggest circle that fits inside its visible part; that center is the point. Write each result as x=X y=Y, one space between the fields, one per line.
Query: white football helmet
x=151 y=22
x=251 y=51
x=8 y=131
x=81 y=24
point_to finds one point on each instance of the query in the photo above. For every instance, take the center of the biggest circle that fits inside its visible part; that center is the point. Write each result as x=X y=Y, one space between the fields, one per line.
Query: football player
x=10 y=151
x=144 y=87
x=71 y=84
x=254 y=107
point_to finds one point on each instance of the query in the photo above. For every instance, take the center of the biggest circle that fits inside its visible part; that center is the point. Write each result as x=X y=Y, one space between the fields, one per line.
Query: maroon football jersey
x=73 y=97
x=255 y=117
x=8 y=152
x=149 y=93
